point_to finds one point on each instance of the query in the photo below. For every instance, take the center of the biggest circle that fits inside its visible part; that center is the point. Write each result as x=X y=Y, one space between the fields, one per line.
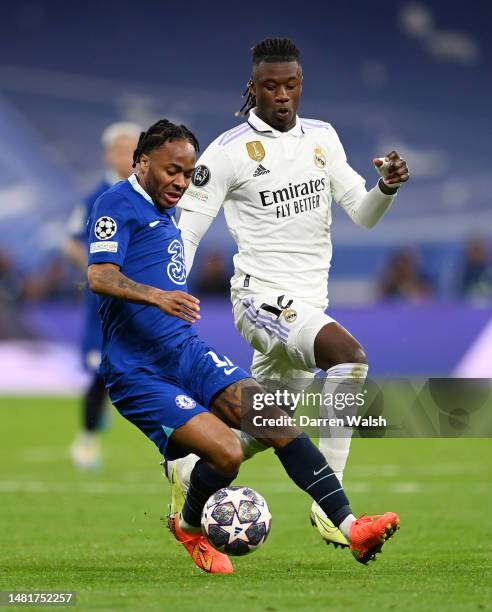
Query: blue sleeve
x=111 y=225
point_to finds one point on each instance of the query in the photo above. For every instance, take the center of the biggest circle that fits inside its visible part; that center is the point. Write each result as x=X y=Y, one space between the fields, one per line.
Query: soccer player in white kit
x=276 y=176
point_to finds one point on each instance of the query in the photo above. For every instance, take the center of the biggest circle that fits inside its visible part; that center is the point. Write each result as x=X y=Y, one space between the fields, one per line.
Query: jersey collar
x=132 y=179
x=260 y=126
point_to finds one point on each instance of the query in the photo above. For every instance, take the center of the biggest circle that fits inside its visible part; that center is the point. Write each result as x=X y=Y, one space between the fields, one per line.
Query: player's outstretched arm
x=107 y=279
x=366 y=208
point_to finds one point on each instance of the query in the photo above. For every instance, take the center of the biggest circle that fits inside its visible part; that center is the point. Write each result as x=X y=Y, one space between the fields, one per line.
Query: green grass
x=102 y=534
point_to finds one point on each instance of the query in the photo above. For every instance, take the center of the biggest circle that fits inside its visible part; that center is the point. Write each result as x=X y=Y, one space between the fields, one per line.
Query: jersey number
x=176 y=269
x=225 y=363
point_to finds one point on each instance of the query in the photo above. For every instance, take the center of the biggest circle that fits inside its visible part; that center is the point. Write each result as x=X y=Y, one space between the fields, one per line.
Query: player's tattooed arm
x=107 y=279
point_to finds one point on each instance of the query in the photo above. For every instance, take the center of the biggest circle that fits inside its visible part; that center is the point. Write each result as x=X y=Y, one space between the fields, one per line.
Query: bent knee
x=229 y=456
x=356 y=354
x=349 y=353
x=334 y=345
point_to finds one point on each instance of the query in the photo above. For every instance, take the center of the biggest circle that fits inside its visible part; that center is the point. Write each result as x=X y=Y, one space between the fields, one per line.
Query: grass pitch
x=102 y=534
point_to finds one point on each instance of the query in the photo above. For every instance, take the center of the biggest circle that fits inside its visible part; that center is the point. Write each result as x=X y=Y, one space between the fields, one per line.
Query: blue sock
x=204 y=482
x=307 y=467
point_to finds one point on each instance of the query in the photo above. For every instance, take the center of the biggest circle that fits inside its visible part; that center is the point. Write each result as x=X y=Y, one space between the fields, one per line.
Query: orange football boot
x=369 y=533
x=203 y=554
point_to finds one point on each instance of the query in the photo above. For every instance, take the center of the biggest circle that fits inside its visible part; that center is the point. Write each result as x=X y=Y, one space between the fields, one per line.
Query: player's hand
x=179 y=304
x=393 y=170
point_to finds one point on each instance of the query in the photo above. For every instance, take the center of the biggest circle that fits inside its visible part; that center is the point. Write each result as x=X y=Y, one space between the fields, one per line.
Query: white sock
x=184 y=467
x=250 y=445
x=334 y=442
x=346 y=524
x=186 y=526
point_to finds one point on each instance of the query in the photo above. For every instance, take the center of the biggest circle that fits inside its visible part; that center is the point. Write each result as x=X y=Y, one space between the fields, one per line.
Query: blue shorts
x=160 y=398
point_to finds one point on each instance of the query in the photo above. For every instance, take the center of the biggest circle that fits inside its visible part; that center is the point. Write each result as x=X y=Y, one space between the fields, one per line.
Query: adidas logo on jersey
x=260 y=170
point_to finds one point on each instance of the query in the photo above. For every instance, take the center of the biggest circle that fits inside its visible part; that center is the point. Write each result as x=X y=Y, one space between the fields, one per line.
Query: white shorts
x=282 y=331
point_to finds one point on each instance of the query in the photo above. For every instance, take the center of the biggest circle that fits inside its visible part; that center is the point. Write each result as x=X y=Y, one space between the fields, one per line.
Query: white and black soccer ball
x=105 y=227
x=236 y=520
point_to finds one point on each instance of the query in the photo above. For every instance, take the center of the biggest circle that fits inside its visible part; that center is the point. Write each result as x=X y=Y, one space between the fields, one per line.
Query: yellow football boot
x=177 y=491
x=327 y=530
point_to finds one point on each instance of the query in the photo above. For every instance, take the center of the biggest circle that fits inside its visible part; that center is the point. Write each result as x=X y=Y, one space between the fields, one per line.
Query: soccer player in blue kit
x=119 y=141
x=180 y=392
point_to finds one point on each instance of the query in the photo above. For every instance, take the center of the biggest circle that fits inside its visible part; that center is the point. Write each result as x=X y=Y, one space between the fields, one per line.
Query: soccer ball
x=236 y=520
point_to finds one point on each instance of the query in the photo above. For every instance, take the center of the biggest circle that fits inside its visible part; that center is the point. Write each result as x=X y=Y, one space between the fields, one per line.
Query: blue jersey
x=128 y=230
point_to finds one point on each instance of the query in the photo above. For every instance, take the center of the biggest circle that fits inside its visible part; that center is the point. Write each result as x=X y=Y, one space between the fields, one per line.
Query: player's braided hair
x=160 y=132
x=268 y=50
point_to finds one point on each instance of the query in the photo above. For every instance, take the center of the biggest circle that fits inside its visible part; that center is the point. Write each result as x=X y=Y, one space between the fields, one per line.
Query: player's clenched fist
x=393 y=169
x=179 y=304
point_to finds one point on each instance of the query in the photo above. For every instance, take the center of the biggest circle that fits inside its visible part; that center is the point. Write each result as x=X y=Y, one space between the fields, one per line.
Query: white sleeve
x=213 y=177
x=343 y=177
x=366 y=208
x=193 y=225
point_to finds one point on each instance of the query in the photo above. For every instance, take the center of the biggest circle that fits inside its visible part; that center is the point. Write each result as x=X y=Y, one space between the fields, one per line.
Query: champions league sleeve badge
x=201 y=176
x=105 y=228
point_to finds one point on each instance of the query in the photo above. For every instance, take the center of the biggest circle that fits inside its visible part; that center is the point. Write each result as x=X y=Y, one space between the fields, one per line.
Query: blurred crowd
x=56 y=281
x=406 y=277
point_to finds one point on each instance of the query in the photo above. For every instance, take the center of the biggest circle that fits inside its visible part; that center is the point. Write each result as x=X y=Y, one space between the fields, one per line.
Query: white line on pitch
x=105 y=488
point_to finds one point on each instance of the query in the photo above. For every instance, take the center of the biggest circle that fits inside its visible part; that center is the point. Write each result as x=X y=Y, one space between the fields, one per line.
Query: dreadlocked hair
x=160 y=132
x=268 y=50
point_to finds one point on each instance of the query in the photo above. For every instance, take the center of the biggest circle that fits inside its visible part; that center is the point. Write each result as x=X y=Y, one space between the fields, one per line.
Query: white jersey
x=276 y=189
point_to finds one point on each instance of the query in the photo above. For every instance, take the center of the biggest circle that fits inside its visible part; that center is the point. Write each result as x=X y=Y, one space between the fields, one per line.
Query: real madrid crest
x=319 y=157
x=255 y=150
x=290 y=315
